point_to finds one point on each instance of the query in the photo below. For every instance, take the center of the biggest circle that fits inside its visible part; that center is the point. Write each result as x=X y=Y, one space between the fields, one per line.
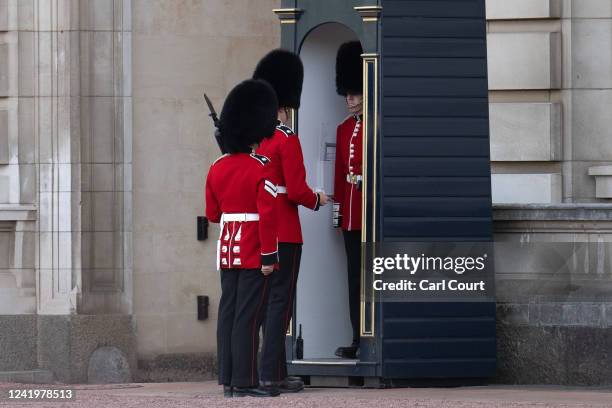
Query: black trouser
x=352 y=245
x=279 y=312
x=241 y=308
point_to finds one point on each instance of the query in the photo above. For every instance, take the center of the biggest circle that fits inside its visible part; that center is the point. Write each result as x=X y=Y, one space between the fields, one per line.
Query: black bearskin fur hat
x=248 y=116
x=285 y=72
x=349 y=69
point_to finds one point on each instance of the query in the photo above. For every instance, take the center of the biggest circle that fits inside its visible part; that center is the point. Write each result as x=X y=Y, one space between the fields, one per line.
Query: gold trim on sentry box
x=288 y=15
x=368 y=60
x=292 y=121
x=369 y=13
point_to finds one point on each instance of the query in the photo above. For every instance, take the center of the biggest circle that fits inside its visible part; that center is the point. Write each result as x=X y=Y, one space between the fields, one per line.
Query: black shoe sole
x=241 y=394
x=288 y=390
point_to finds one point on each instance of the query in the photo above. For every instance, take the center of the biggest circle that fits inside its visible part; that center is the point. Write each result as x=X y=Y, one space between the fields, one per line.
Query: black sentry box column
x=436 y=176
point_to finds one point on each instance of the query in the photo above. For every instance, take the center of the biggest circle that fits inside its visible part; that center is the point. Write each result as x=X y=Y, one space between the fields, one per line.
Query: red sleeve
x=339 y=175
x=266 y=207
x=213 y=210
x=295 y=175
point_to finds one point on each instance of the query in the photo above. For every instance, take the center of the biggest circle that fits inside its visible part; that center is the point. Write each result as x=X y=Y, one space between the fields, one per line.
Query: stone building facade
x=550 y=80
x=105 y=143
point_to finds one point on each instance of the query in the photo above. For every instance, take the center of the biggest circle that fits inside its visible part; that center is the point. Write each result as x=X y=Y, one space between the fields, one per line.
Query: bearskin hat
x=285 y=72
x=248 y=116
x=349 y=69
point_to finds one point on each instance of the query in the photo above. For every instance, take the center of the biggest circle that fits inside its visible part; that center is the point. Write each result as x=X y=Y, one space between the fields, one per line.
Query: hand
x=267 y=269
x=322 y=198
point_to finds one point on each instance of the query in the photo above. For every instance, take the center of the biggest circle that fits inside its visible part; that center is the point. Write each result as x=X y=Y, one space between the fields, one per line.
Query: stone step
x=28 y=376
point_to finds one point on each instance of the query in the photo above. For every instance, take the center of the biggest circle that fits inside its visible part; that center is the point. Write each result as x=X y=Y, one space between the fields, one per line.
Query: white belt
x=281 y=189
x=354 y=178
x=242 y=217
x=229 y=217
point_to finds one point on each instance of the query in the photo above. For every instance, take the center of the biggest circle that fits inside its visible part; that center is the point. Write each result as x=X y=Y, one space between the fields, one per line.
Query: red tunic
x=285 y=153
x=243 y=183
x=349 y=142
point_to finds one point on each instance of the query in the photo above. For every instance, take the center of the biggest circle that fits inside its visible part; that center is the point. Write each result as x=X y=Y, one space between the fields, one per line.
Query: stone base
x=177 y=367
x=557 y=355
x=526 y=354
x=63 y=345
x=18 y=342
x=66 y=343
x=46 y=348
x=560 y=355
x=555 y=324
x=28 y=377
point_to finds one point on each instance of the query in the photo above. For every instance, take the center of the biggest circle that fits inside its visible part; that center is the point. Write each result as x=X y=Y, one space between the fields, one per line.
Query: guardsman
x=285 y=72
x=348 y=176
x=241 y=195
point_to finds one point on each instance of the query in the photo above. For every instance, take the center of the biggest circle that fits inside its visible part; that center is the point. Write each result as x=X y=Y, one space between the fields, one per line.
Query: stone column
x=74 y=88
x=74 y=104
x=106 y=156
x=49 y=101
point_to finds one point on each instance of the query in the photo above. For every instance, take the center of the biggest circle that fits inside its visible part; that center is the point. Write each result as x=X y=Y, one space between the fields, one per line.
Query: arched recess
x=322 y=292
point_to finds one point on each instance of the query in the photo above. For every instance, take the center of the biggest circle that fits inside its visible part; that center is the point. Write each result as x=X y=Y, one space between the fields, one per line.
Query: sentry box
x=426 y=179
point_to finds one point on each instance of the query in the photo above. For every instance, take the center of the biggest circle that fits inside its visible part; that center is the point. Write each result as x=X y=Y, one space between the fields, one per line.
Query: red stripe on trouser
x=289 y=304
x=255 y=319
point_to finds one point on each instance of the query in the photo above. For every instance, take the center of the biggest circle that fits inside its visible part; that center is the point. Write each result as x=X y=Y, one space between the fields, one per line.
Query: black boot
x=228 y=391
x=291 y=385
x=347 y=352
x=255 y=392
x=284 y=386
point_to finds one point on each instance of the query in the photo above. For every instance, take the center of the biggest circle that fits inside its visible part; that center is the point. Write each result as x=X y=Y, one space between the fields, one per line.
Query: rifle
x=202 y=222
x=215 y=119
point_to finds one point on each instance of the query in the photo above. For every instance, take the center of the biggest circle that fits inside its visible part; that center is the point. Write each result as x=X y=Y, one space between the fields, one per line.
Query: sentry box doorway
x=426 y=178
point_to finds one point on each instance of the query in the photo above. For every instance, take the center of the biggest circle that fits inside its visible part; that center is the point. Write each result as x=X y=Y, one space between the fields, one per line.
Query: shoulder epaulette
x=286 y=130
x=260 y=158
x=225 y=155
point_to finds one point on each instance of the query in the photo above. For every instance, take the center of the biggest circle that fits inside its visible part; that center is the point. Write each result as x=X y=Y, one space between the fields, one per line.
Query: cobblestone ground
x=208 y=394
